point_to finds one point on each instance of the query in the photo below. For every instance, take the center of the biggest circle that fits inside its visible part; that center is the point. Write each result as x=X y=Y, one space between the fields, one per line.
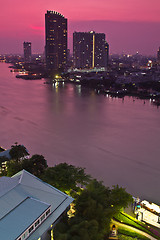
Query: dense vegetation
x=94 y=204
x=130 y=233
x=19 y=159
x=94 y=208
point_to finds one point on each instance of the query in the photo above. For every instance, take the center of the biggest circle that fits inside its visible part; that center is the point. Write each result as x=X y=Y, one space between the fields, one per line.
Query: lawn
x=126 y=234
x=124 y=237
x=128 y=220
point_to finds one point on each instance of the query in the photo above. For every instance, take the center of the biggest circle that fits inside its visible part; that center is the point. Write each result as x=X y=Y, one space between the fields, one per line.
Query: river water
x=116 y=140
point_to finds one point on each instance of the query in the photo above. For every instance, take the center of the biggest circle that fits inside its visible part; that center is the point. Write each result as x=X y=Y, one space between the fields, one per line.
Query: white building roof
x=151 y=206
x=23 y=198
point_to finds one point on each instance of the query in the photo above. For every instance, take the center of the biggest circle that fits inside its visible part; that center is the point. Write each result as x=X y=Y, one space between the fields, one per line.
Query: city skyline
x=129 y=26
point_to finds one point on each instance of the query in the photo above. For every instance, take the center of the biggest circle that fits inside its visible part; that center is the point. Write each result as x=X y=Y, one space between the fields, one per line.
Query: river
x=116 y=140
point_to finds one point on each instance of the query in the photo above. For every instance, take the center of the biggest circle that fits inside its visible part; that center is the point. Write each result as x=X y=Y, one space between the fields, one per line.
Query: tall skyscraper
x=90 y=50
x=27 y=52
x=55 y=40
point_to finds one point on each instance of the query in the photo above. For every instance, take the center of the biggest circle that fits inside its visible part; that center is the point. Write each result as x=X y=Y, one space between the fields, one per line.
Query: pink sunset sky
x=129 y=25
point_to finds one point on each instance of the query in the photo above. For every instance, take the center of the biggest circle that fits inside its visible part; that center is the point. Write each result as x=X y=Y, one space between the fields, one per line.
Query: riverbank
x=116 y=141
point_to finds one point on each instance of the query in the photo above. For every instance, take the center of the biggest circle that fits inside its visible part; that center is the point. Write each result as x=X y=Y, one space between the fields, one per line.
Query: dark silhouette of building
x=90 y=50
x=158 y=55
x=27 y=52
x=55 y=40
x=107 y=52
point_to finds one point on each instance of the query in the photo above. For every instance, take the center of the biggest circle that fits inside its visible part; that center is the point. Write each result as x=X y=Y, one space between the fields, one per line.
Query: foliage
x=13 y=167
x=38 y=164
x=93 y=201
x=35 y=165
x=124 y=237
x=94 y=204
x=97 y=198
x=93 y=212
x=82 y=229
x=131 y=233
x=18 y=151
x=66 y=177
x=126 y=220
x=119 y=197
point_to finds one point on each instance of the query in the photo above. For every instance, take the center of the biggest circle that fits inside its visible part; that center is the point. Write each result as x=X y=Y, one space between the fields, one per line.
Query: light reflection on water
x=116 y=140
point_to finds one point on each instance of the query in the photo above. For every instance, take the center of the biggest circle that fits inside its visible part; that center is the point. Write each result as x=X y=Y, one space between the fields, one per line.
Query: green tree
x=37 y=164
x=77 y=229
x=18 y=151
x=13 y=167
x=66 y=177
x=119 y=197
x=93 y=204
x=92 y=217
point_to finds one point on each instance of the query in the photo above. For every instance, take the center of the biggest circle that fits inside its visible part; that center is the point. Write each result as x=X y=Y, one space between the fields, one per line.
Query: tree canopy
x=119 y=198
x=95 y=206
x=12 y=167
x=35 y=165
x=66 y=177
x=18 y=151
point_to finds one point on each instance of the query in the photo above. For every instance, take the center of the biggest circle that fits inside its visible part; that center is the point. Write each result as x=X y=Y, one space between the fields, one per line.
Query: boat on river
x=29 y=76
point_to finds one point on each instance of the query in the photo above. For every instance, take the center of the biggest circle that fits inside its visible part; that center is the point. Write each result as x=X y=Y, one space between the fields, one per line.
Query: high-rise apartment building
x=90 y=50
x=27 y=52
x=55 y=40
